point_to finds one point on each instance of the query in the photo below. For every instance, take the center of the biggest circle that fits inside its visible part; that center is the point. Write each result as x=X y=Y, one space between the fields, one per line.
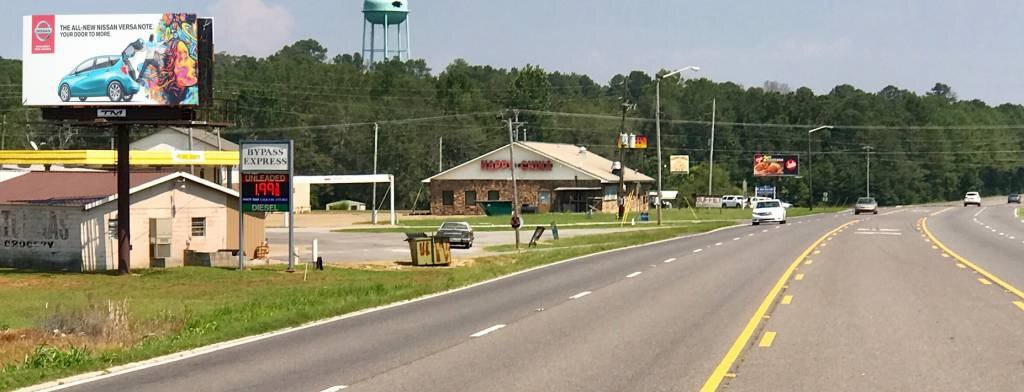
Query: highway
x=915 y=298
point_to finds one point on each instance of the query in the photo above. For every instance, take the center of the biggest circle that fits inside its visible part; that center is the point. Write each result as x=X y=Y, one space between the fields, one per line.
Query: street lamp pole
x=810 y=167
x=657 y=126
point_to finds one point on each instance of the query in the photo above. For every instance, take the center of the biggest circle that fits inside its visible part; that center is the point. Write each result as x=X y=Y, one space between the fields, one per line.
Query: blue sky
x=975 y=47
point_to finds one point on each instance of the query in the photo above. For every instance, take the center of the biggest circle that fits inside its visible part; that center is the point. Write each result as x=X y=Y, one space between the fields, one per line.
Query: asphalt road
x=819 y=304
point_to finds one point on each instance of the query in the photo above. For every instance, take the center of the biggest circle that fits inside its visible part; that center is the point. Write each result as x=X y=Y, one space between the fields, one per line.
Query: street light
x=657 y=114
x=810 y=177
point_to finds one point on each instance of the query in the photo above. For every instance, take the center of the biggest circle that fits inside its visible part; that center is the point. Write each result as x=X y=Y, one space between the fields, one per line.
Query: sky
x=975 y=47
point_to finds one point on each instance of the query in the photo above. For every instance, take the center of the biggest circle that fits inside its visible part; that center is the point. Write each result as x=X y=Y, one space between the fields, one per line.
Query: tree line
x=925 y=147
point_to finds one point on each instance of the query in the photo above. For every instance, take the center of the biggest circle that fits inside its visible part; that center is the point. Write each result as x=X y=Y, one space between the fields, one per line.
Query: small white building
x=68 y=220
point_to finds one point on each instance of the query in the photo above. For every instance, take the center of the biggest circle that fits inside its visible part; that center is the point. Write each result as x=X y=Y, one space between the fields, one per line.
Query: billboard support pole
x=241 y=227
x=124 y=219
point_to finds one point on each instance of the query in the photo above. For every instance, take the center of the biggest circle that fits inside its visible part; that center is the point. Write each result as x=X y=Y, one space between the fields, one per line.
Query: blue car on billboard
x=101 y=76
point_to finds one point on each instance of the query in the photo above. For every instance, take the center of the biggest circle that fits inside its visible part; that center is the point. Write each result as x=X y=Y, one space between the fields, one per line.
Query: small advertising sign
x=679 y=164
x=764 y=191
x=769 y=165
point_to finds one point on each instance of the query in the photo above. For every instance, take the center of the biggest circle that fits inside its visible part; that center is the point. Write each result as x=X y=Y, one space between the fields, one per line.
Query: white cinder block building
x=68 y=220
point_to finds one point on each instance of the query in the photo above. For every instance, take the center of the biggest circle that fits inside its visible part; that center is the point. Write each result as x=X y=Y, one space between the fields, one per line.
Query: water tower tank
x=395 y=10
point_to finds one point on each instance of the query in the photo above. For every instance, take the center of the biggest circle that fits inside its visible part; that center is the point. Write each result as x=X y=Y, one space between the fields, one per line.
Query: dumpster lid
x=410 y=236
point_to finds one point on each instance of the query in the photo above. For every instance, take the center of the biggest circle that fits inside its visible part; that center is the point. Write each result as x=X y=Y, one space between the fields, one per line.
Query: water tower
x=385 y=13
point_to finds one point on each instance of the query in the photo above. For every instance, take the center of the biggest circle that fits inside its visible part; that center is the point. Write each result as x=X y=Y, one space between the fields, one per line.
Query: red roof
x=67 y=188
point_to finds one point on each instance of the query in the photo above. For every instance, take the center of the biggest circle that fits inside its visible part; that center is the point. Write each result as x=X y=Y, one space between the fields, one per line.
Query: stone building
x=550 y=177
x=68 y=220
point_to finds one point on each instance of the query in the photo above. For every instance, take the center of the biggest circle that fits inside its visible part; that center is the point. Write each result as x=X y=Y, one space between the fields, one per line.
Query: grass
x=576 y=220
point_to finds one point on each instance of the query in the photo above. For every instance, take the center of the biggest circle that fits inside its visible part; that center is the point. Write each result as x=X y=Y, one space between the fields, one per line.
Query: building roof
x=572 y=156
x=198 y=135
x=83 y=189
x=591 y=163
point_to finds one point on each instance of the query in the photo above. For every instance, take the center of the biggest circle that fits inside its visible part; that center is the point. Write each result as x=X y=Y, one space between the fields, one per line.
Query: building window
x=611 y=192
x=199 y=227
x=544 y=198
x=112 y=226
x=470 y=198
x=448 y=198
x=493 y=195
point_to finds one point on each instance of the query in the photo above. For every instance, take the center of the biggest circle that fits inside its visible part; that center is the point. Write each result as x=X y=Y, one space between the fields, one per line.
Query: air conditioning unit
x=160 y=238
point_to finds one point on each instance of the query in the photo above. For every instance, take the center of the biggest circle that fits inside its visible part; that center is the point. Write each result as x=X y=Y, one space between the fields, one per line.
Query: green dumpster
x=497 y=207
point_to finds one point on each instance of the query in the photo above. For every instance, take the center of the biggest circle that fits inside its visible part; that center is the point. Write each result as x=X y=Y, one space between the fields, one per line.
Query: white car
x=734 y=201
x=972 y=198
x=768 y=211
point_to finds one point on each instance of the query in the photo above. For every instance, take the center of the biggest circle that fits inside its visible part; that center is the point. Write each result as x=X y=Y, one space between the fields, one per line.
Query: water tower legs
x=386 y=37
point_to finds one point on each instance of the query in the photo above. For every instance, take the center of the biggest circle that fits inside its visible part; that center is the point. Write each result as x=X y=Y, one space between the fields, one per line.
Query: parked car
x=785 y=204
x=865 y=205
x=101 y=76
x=460 y=233
x=1013 y=198
x=754 y=199
x=734 y=201
x=768 y=211
x=972 y=198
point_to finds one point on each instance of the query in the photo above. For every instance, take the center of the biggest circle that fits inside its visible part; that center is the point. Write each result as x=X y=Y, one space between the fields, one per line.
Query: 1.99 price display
x=265 y=192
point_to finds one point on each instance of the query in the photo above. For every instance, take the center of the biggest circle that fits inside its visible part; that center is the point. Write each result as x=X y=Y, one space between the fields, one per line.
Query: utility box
x=160 y=238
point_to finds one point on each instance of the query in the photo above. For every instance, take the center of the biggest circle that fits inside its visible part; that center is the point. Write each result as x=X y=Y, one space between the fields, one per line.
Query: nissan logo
x=43 y=30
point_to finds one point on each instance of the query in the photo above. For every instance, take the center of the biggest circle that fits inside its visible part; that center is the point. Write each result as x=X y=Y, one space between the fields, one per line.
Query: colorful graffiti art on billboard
x=110 y=60
x=769 y=165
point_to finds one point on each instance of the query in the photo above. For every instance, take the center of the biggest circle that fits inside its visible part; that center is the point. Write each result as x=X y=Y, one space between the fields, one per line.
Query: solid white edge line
x=335 y=388
x=487 y=331
x=633 y=275
x=670 y=260
x=115 y=371
x=580 y=295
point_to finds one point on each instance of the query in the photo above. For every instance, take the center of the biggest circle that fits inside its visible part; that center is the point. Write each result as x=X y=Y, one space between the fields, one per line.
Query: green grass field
x=178 y=309
x=670 y=217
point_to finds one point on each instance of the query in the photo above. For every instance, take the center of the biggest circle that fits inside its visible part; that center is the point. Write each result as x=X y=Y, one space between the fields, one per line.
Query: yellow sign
x=679 y=164
x=109 y=158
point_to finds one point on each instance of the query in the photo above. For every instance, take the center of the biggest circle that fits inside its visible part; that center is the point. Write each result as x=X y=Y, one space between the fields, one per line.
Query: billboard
x=679 y=164
x=770 y=165
x=111 y=60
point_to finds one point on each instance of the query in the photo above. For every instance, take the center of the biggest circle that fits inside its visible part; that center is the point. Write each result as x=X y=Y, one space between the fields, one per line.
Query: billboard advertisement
x=110 y=60
x=771 y=165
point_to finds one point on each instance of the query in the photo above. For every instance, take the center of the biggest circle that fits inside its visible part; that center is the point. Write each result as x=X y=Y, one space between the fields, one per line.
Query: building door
x=544 y=201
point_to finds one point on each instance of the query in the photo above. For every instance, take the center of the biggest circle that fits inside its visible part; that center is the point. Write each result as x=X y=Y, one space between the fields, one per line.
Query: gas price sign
x=265 y=192
x=266 y=176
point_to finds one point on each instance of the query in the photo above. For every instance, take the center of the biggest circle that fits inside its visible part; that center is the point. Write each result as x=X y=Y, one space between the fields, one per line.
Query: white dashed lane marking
x=670 y=260
x=580 y=295
x=633 y=275
x=487 y=331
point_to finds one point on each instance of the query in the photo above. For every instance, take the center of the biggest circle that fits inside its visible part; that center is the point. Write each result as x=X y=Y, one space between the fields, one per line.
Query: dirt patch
x=399 y=265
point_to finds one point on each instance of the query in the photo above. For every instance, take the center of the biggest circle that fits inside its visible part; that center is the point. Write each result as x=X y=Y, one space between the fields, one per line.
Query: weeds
x=46 y=356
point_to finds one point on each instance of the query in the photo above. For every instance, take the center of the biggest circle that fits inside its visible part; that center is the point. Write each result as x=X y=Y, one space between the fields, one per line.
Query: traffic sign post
x=266 y=169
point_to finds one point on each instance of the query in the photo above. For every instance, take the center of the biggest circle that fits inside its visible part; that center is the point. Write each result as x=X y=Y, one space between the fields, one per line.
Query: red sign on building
x=535 y=165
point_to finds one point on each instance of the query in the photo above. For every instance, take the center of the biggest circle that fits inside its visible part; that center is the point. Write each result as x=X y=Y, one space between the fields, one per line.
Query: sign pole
x=512 y=170
x=241 y=225
x=124 y=217
x=291 y=206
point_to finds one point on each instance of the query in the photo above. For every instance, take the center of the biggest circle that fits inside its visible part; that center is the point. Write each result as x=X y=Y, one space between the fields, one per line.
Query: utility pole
x=868 y=182
x=711 y=171
x=657 y=139
x=373 y=208
x=440 y=154
x=810 y=168
x=623 y=145
x=512 y=170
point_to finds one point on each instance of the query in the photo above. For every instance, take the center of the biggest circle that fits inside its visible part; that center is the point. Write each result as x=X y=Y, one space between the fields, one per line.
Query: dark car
x=457 y=233
x=1013 y=198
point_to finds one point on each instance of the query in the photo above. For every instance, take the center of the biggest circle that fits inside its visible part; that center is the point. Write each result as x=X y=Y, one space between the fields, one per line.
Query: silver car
x=457 y=233
x=865 y=205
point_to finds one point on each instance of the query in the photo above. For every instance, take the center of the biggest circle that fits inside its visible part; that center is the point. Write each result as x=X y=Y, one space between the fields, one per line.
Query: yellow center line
x=975 y=267
x=1019 y=304
x=984 y=281
x=767 y=339
x=720 y=372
